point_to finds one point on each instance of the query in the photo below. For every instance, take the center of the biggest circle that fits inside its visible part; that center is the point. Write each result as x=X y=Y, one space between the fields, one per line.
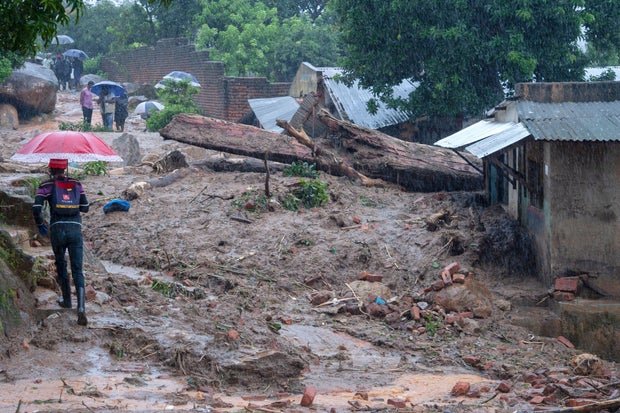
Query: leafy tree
x=96 y=32
x=29 y=25
x=251 y=40
x=290 y=8
x=463 y=53
x=178 y=20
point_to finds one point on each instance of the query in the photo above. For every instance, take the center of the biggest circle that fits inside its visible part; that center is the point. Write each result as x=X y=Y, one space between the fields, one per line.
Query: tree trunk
x=349 y=150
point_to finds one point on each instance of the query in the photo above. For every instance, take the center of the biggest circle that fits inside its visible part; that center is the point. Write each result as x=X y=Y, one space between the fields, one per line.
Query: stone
x=308 y=397
x=128 y=148
x=460 y=388
x=8 y=116
x=31 y=89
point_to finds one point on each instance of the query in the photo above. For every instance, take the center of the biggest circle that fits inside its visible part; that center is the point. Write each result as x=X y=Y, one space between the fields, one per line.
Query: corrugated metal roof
x=474 y=133
x=499 y=141
x=351 y=101
x=571 y=121
x=268 y=110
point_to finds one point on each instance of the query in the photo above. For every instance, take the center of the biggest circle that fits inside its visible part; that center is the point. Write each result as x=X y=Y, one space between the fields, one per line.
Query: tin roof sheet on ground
x=268 y=110
x=474 y=133
x=571 y=121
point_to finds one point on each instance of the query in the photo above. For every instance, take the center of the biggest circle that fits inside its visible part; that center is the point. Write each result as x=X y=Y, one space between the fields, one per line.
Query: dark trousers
x=68 y=237
x=88 y=114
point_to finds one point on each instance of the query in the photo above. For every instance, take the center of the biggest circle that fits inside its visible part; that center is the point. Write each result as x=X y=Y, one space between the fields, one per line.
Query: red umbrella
x=72 y=145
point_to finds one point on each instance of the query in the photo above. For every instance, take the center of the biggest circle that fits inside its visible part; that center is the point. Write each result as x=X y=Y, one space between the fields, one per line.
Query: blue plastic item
x=116 y=205
x=380 y=301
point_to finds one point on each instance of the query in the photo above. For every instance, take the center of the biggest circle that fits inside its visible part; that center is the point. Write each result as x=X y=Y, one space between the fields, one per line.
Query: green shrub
x=161 y=118
x=92 y=65
x=308 y=194
x=95 y=168
x=303 y=169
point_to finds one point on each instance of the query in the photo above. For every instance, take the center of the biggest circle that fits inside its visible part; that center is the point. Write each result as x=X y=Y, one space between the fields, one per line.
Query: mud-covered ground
x=205 y=296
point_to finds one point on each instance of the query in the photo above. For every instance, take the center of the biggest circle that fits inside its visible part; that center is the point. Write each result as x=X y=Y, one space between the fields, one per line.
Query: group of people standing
x=113 y=108
x=68 y=71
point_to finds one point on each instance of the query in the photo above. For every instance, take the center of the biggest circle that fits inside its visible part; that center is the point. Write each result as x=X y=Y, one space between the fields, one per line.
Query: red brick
x=563 y=296
x=415 y=313
x=566 y=342
x=460 y=388
x=308 y=397
x=446 y=278
x=458 y=278
x=551 y=399
x=577 y=402
x=473 y=361
x=537 y=400
x=504 y=386
x=452 y=268
x=374 y=278
x=400 y=403
x=568 y=284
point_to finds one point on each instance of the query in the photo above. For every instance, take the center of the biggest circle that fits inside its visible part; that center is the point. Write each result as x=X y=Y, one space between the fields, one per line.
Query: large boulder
x=31 y=89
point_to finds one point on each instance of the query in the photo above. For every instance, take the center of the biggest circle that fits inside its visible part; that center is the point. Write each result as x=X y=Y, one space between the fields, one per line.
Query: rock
x=8 y=116
x=31 y=89
x=308 y=397
x=471 y=296
x=128 y=147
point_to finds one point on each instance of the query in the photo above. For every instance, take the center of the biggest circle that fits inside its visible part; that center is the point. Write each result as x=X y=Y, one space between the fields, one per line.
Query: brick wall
x=556 y=92
x=220 y=96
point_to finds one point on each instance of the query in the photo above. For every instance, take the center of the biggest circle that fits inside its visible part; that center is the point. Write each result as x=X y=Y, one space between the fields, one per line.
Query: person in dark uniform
x=65 y=229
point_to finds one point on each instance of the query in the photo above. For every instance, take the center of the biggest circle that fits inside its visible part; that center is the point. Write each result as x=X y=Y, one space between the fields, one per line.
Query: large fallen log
x=349 y=150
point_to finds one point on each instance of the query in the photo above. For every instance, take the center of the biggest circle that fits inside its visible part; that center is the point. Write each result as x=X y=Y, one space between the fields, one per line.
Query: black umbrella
x=75 y=53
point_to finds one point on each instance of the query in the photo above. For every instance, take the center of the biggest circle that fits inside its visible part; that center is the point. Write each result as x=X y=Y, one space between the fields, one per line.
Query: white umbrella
x=147 y=107
x=62 y=39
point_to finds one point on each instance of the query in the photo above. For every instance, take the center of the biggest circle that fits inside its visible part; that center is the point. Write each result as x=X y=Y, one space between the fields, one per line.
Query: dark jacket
x=44 y=194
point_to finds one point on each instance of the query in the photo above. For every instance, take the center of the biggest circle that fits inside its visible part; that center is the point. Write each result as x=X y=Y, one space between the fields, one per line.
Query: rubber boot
x=81 y=311
x=65 y=300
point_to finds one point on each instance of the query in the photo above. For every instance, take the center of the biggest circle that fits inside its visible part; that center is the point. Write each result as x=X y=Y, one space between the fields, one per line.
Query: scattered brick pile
x=567 y=288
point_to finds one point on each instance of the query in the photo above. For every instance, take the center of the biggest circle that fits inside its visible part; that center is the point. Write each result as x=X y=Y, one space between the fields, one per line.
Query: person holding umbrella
x=78 y=68
x=67 y=200
x=107 y=102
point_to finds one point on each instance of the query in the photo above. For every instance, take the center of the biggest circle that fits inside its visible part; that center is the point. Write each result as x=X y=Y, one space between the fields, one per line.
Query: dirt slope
x=205 y=297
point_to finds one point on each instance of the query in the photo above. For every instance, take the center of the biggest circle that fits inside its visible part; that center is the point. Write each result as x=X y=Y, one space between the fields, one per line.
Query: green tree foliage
x=289 y=8
x=252 y=40
x=464 y=53
x=177 y=97
x=95 y=32
x=32 y=25
x=178 y=20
